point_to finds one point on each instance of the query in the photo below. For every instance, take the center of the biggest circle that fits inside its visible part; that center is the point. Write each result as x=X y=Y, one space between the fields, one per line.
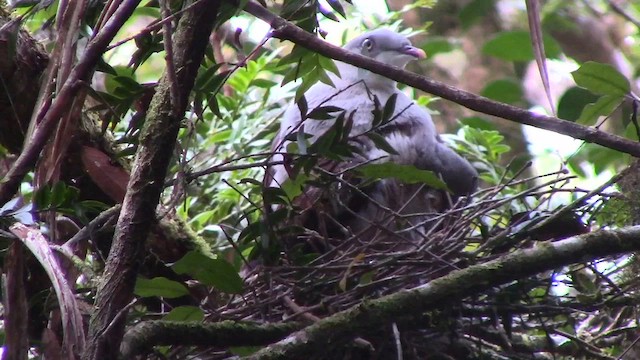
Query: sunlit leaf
x=516 y=46
x=604 y=106
x=159 y=286
x=573 y=101
x=185 y=314
x=293 y=187
x=406 y=173
x=436 y=45
x=328 y=64
x=601 y=79
x=213 y=272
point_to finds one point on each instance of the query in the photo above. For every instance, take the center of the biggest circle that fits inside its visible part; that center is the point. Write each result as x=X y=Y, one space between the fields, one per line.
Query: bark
x=22 y=61
x=157 y=142
x=15 y=305
x=141 y=338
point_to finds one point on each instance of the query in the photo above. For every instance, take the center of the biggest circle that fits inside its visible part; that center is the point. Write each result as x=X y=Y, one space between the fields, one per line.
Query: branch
x=15 y=304
x=284 y=30
x=34 y=240
x=372 y=315
x=157 y=143
x=141 y=338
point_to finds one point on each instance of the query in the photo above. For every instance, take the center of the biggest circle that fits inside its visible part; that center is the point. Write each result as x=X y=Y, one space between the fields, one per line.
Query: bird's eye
x=367 y=44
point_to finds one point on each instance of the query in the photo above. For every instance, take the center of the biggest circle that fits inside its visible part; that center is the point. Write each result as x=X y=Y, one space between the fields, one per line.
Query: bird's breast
x=359 y=103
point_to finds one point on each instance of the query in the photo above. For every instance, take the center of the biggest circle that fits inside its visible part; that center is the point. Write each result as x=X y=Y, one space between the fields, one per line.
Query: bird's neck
x=350 y=74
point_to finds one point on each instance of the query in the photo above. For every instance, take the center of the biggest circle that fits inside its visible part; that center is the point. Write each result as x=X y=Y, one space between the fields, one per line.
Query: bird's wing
x=291 y=122
x=413 y=136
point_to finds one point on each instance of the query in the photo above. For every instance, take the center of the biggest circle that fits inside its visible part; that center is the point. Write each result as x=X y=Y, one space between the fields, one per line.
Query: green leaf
x=213 y=272
x=301 y=141
x=244 y=350
x=219 y=137
x=376 y=112
x=516 y=46
x=437 y=44
x=302 y=106
x=58 y=194
x=264 y=83
x=504 y=90
x=323 y=112
x=304 y=66
x=205 y=77
x=381 y=143
x=389 y=108
x=573 y=101
x=185 y=314
x=307 y=81
x=324 y=77
x=129 y=84
x=406 y=173
x=474 y=11
x=296 y=54
x=603 y=107
x=293 y=187
x=327 y=13
x=335 y=5
x=159 y=286
x=601 y=79
x=328 y=64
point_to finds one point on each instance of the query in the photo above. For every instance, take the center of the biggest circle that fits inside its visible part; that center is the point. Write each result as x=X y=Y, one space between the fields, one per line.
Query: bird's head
x=386 y=46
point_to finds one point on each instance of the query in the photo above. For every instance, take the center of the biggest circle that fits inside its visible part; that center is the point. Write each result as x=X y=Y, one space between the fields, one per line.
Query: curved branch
x=142 y=337
x=375 y=314
x=284 y=30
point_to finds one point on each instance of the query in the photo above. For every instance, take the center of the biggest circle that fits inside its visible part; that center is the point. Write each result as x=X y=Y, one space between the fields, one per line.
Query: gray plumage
x=412 y=133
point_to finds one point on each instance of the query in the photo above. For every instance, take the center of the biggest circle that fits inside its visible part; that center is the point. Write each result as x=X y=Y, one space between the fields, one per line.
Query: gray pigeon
x=411 y=134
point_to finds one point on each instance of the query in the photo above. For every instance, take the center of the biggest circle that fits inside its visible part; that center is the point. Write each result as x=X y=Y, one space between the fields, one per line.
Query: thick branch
x=145 y=335
x=157 y=142
x=285 y=30
x=22 y=61
x=376 y=314
x=15 y=304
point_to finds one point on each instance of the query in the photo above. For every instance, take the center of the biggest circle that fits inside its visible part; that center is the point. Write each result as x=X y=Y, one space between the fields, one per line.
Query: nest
x=324 y=269
x=328 y=266
x=355 y=269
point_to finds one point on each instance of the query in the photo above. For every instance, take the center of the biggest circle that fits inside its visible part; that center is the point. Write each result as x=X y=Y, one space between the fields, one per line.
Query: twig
x=396 y=336
x=169 y=59
x=624 y=13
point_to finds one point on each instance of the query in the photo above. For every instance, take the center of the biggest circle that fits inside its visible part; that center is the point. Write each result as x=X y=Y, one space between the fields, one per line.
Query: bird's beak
x=414 y=51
